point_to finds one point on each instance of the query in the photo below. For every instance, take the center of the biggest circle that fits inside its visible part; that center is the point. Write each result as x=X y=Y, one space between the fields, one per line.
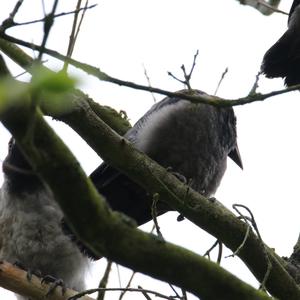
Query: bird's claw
x=54 y=284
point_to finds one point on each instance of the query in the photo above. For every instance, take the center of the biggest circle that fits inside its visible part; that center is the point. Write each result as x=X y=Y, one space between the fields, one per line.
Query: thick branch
x=104 y=230
x=15 y=280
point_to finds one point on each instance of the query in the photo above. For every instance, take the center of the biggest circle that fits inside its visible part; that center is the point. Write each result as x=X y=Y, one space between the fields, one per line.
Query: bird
x=192 y=140
x=283 y=59
x=31 y=230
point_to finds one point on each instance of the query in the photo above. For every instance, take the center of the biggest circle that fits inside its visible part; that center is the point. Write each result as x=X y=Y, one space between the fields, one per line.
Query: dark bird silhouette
x=283 y=58
x=31 y=233
x=193 y=140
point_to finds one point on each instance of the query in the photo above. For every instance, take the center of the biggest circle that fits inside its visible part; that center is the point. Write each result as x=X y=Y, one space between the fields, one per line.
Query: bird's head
x=17 y=171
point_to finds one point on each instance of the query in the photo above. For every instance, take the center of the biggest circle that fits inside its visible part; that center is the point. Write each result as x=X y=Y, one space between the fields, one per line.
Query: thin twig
x=10 y=20
x=75 y=31
x=215 y=244
x=91 y=291
x=48 y=23
x=255 y=85
x=144 y=293
x=119 y=275
x=187 y=76
x=255 y=227
x=154 y=215
x=128 y=285
x=5 y=25
x=104 y=280
x=221 y=80
x=173 y=289
x=236 y=252
x=149 y=82
x=220 y=252
x=184 y=294
x=207 y=253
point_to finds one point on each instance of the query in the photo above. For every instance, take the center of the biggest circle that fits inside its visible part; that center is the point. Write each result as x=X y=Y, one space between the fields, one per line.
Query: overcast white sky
x=121 y=37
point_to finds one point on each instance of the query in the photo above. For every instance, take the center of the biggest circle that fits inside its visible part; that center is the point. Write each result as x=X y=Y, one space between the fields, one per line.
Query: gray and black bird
x=31 y=230
x=192 y=140
x=283 y=58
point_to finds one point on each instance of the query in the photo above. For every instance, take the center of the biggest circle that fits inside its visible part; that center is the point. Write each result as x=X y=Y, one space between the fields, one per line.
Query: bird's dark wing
x=123 y=194
x=276 y=60
x=282 y=59
x=293 y=7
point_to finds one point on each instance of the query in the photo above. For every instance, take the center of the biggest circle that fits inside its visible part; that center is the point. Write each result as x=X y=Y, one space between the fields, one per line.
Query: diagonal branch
x=105 y=231
x=15 y=280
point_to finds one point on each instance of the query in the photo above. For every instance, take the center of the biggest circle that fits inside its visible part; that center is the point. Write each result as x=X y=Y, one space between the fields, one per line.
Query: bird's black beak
x=234 y=154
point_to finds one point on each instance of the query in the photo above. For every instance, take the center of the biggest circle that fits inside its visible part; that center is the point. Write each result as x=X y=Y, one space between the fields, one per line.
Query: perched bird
x=283 y=59
x=31 y=233
x=192 y=140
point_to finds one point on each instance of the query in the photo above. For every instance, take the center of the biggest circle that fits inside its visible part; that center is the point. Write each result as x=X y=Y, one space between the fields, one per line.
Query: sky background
x=123 y=38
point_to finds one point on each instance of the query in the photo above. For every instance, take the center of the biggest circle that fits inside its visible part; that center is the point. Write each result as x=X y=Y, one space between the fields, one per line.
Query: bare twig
x=255 y=227
x=221 y=80
x=236 y=252
x=127 y=286
x=119 y=275
x=91 y=291
x=149 y=82
x=255 y=85
x=75 y=31
x=104 y=280
x=184 y=294
x=48 y=23
x=5 y=25
x=219 y=258
x=144 y=293
x=216 y=243
x=187 y=76
x=173 y=289
x=154 y=215
x=10 y=20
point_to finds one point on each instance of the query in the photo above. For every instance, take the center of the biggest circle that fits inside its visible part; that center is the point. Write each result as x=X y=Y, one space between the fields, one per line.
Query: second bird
x=193 y=140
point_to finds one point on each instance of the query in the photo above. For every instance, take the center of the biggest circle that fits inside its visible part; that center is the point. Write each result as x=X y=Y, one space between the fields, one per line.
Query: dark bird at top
x=283 y=58
x=193 y=140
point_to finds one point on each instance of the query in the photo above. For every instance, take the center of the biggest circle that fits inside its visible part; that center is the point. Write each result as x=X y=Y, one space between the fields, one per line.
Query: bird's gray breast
x=185 y=137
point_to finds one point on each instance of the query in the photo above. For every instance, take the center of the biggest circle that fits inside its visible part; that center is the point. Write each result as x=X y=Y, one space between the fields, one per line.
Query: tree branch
x=15 y=279
x=265 y=7
x=96 y=72
x=103 y=230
